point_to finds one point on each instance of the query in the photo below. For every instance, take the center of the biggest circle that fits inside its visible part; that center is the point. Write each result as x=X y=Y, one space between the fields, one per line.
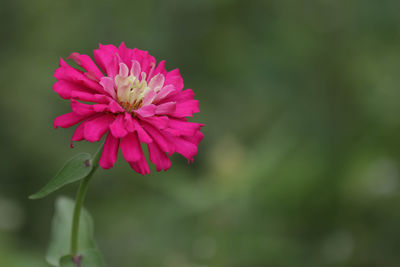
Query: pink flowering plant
x=127 y=97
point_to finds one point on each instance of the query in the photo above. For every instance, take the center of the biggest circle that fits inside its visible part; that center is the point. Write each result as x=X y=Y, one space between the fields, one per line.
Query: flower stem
x=80 y=197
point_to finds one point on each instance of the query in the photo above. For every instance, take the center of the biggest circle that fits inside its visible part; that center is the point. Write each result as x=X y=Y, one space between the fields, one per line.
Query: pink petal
x=112 y=106
x=148 y=99
x=123 y=70
x=160 y=68
x=185 y=95
x=186 y=109
x=159 y=138
x=157 y=82
x=136 y=69
x=108 y=85
x=91 y=76
x=145 y=60
x=68 y=120
x=101 y=108
x=65 y=88
x=184 y=147
x=180 y=96
x=70 y=74
x=159 y=122
x=115 y=107
x=140 y=166
x=131 y=149
x=87 y=63
x=97 y=127
x=110 y=152
x=129 y=122
x=158 y=157
x=184 y=127
x=195 y=139
x=83 y=96
x=117 y=128
x=173 y=77
x=166 y=108
x=165 y=91
x=133 y=125
x=68 y=90
x=142 y=134
x=146 y=111
x=126 y=54
x=81 y=108
x=78 y=134
x=150 y=74
x=107 y=59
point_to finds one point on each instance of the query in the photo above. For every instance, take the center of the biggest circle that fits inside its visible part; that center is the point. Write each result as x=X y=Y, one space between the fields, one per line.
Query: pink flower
x=135 y=102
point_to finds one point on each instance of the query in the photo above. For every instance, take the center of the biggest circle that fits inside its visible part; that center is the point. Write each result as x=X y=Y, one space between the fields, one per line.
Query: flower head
x=134 y=101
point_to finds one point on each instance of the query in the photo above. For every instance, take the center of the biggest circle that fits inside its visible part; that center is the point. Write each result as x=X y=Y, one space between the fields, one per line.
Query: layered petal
x=158 y=137
x=158 y=157
x=95 y=128
x=179 y=96
x=126 y=54
x=70 y=90
x=106 y=57
x=82 y=109
x=166 y=108
x=184 y=147
x=196 y=138
x=185 y=109
x=146 y=111
x=72 y=75
x=145 y=60
x=140 y=166
x=142 y=134
x=131 y=149
x=159 y=122
x=88 y=97
x=164 y=93
x=108 y=85
x=174 y=78
x=110 y=152
x=67 y=120
x=160 y=68
x=111 y=106
x=157 y=82
x=118 y=128
x=87 y=63
x=78 y=134
x=65 y=88
x=149 y=98
x=181 y=127
x=129 y=122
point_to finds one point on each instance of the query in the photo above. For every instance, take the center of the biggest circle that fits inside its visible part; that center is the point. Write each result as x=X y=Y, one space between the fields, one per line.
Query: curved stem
x=80 y=197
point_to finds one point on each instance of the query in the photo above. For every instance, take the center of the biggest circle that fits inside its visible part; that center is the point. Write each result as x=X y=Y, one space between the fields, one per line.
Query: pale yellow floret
x=131 y=91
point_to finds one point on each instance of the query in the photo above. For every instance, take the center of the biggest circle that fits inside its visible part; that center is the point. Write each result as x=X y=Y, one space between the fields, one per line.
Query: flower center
x=131 y=88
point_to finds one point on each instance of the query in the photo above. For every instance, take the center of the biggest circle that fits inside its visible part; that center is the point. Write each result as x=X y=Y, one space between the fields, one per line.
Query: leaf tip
x=34 y=197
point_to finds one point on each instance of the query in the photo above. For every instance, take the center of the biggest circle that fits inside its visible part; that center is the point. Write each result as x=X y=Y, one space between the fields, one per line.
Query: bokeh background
x=300 y=161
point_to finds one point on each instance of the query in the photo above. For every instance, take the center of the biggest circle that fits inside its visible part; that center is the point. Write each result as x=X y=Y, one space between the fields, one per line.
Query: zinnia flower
x=131 y=99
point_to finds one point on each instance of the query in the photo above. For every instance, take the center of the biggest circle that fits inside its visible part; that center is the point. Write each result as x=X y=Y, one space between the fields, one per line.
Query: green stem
x=80 y=197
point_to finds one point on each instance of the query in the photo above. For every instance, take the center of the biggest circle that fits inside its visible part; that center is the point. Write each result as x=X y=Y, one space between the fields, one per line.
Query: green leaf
x=74 y=170
x=61 y=234
x=67 y=261
x=89 y=258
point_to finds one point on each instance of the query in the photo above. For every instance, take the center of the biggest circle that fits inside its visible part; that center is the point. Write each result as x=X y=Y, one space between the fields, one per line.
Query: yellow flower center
x=132 y=87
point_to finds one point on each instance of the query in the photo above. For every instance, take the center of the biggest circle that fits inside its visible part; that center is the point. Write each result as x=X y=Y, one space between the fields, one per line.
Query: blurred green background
x=300 y=161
